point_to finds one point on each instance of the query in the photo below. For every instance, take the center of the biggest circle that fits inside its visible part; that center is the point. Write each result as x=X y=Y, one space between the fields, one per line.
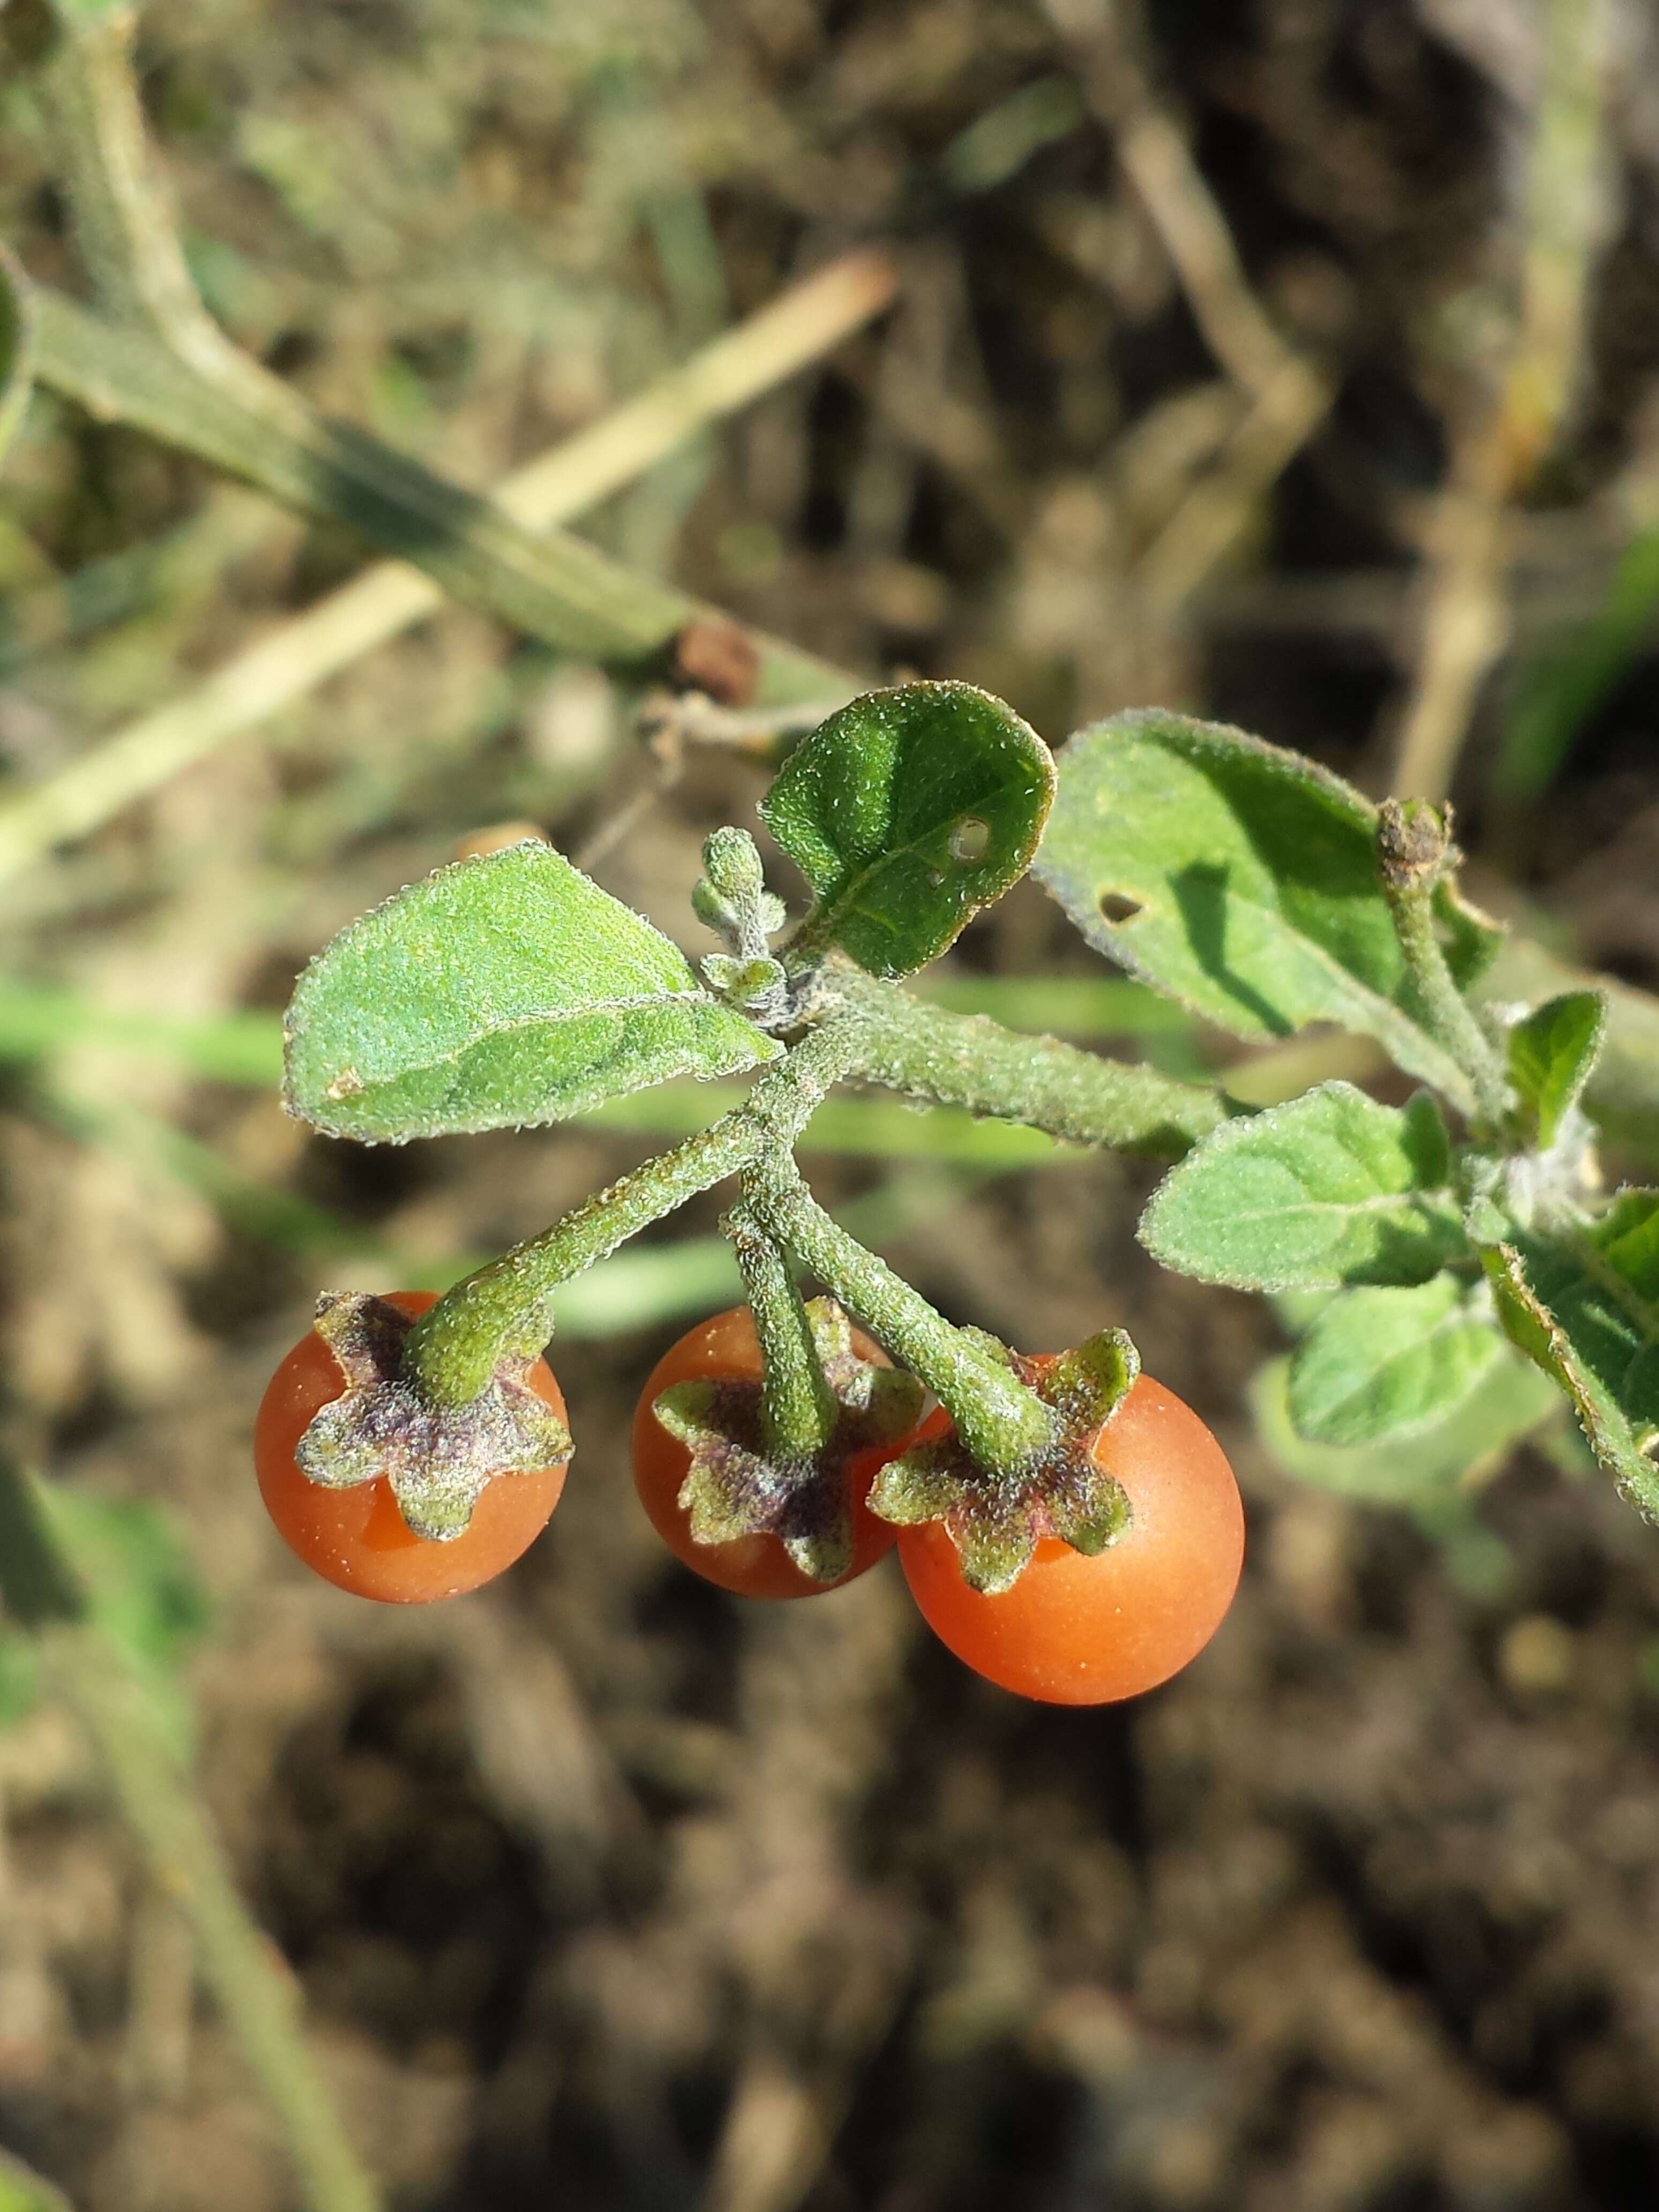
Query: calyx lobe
x=737 y=1486
x=995 y=1521
x=437 y=1459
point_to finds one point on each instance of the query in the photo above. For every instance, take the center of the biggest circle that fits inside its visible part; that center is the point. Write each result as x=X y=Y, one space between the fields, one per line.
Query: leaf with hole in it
x=906 y=813
x=1511 y=1400
x=1241 y=880
x=1565 y=1302
x=1385 y=1363
x=1552 y=1055
x=1329 y=1190
x=501 y=992
x=16 y=348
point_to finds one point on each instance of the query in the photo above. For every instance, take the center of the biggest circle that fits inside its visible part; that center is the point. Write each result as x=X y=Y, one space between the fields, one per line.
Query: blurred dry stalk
x=1523 y=399
x=821 y=1960
x=165 y=366
x=168 y=1820
x=1287 y=397
x=389 y=597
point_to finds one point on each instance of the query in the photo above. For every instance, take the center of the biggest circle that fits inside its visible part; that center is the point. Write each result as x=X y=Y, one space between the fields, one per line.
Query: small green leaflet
x=16 y=348
x=1387 y=1362
x=1331 y=1189
x=1241 y=880
x=1511 y=1400
x=501 y=992
x=1552 y=1055
x=1566 y=1302
x=906 y=813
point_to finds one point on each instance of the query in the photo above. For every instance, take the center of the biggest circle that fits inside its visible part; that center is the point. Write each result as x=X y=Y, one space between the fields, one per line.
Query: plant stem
x=299 y=654
x=798 y=1414
x=1512 y=423
x=1414 y=845
x=43 y=1596
x=968 y=1059
x=1002 y=1423
x=549 y=586
x=166 y=365
x=505 y=1311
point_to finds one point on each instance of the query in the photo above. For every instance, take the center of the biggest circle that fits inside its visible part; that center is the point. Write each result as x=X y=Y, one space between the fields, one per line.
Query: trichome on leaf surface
x=1069 y=1528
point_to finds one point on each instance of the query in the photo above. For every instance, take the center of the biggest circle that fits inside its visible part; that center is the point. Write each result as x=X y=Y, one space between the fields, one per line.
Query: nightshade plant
x=1429 y=1250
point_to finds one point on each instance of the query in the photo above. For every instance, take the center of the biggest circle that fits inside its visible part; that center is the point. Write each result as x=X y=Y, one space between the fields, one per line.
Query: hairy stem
x=1413 y=847
x=798 y=1414
x=505 y=1311
x=968 y=1059
x=156 y=1799
x=1002 y=1423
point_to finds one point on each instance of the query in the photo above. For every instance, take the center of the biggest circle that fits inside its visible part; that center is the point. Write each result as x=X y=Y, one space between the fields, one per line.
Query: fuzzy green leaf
x=906 y=813
x=502 y=991
x=1511 y=1400
x=1577 y=1317
x=1328 y=1190
x=1627 y=1238
x=1387 y=1362
x=1553 y=1055
x=1241 y=880
x=16 y=348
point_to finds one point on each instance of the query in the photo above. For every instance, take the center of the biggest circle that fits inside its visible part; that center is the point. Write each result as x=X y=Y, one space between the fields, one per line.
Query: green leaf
x=1552 y=1053
x=142 y=1590
x=1511 y=1400
x=1241 y=880
x=1389 y=1362
x=1627 y=1237
x=16 y=348
x=505 y=990
x=1567 y=1306
x=906 y=813
x=1331 y=1189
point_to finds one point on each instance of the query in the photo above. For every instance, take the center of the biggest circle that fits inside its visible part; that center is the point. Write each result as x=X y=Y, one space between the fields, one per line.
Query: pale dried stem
x=185 y=1860
x=393 y=596
x=1159 y=161
x=1466 y=585
x=1288 y=397
x=167 y=367
x=1217 y=509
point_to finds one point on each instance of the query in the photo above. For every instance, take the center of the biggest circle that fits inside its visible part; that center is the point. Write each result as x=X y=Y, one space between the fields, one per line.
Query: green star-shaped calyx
x=996 y=1521
x=735 y=1485
x=438 y=1458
